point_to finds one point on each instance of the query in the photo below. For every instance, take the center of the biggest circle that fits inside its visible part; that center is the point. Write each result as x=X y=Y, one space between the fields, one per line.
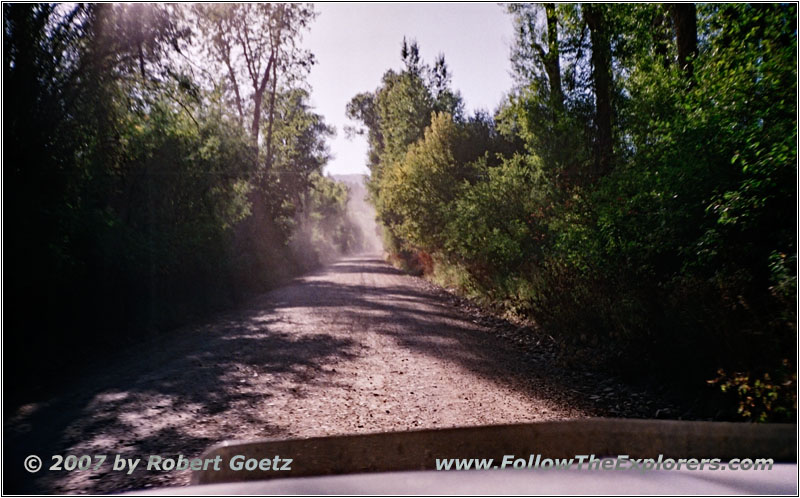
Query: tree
x=537 y=53
x=300 y=144
x=362 y=108
x=417 y=191
x=396 y=114
x=253 y=42
x=135 y=172
x=601 y=78
x=684 y=17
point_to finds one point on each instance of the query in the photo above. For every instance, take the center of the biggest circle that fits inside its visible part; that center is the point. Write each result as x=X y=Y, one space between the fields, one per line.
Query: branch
x=178 y=101
x=232 y=76
x=250 y=66
x=539 y=50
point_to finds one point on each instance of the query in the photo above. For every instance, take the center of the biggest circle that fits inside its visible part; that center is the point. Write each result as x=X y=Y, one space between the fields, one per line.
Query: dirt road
x=355 y=347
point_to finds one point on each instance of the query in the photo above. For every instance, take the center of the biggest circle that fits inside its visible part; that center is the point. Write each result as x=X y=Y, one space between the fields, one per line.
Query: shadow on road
x=207 y=384
x=420 y=318
x=163 y=402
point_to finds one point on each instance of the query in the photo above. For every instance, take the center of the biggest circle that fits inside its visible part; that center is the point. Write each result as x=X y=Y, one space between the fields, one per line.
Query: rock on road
x=355 y=347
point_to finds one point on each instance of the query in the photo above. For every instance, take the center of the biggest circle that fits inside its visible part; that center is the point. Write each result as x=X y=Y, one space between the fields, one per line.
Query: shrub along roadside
x=139 y=195
x=640 y=208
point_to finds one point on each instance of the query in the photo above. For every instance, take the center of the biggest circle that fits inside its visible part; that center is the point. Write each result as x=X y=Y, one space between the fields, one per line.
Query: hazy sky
x=355 y=43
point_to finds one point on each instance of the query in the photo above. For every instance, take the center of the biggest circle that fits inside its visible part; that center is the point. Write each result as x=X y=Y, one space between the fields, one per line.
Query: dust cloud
x=361 y=214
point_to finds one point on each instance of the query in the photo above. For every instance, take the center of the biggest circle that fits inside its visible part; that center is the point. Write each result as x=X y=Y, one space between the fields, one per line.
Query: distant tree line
x=159 y=160
x=635 y=194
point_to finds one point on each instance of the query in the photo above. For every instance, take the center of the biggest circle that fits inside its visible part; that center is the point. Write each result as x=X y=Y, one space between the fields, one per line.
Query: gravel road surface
x=355 y=347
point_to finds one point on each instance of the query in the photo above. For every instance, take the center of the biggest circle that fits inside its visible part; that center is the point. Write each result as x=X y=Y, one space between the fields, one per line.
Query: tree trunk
x=225 y=49
x=601 y=77
x=258 y=97
x=271 y=117
x=256 y=124
x=661 y=38
x=552 y=61
x=141 y=61
x=684 y=17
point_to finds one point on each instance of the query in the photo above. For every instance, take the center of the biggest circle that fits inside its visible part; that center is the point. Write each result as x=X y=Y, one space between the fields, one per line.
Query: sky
x=355 y=43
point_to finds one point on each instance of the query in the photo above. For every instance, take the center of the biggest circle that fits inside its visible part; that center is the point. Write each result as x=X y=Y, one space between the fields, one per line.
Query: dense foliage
x=635 y=195
x=148 y=177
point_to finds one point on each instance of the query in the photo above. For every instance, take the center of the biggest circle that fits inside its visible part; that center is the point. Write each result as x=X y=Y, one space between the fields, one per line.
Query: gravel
x=356 y=347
